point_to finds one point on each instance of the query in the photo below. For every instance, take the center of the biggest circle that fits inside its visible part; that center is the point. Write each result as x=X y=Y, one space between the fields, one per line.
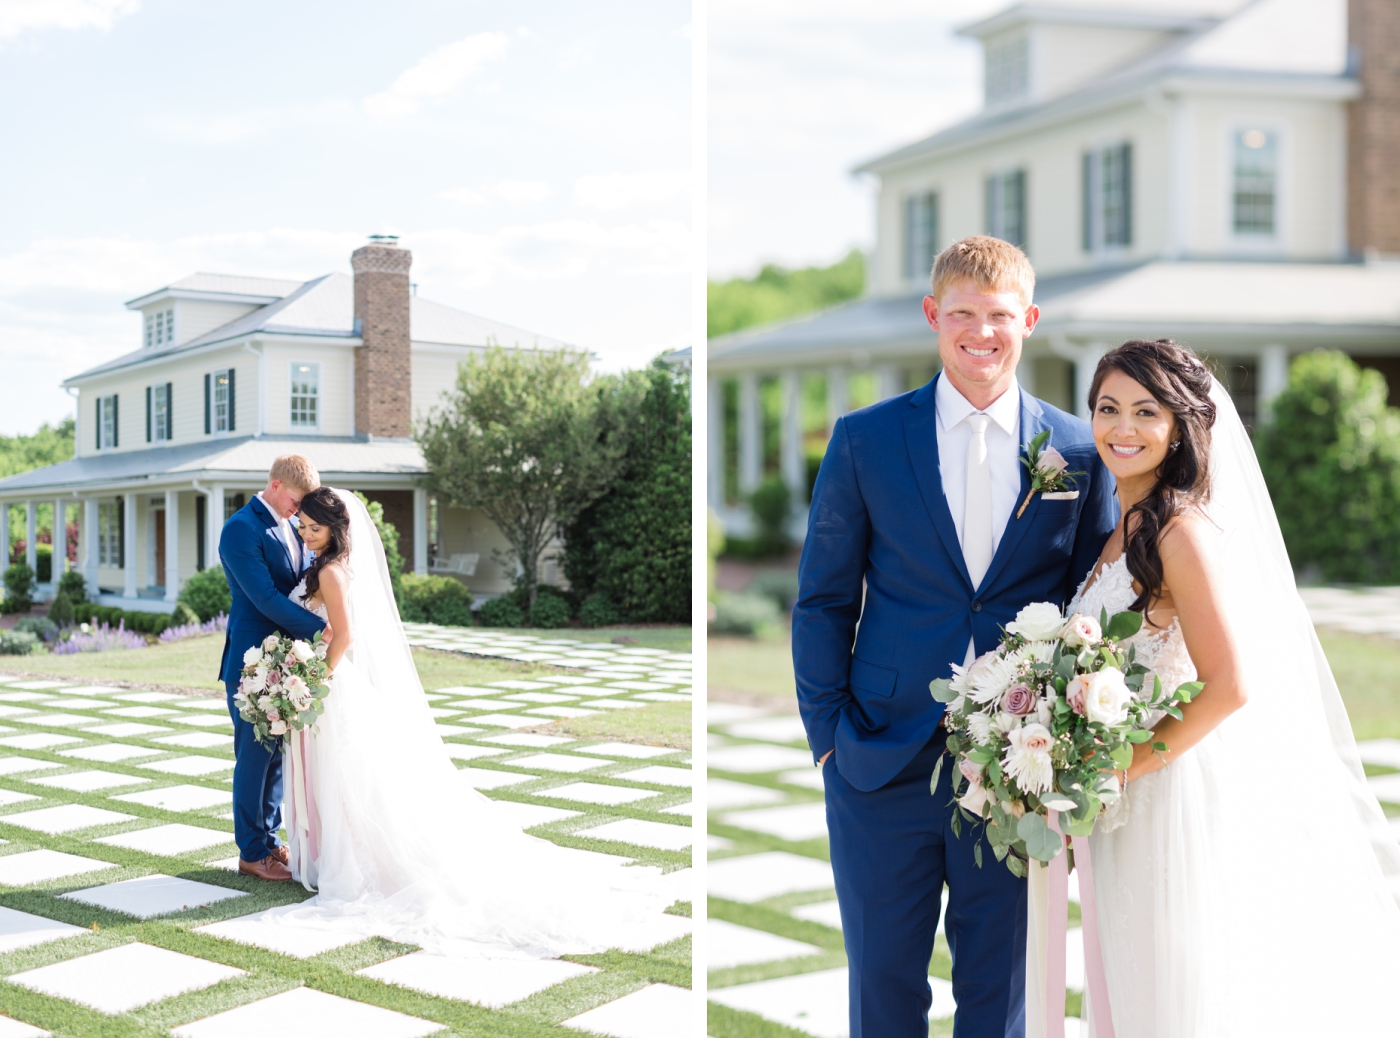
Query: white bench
x=463 y=564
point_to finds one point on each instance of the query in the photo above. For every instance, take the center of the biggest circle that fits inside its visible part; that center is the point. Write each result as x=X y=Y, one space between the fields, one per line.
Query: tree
x=633 y=544
x=776 y=292
x=531 y=439
x=48 y=446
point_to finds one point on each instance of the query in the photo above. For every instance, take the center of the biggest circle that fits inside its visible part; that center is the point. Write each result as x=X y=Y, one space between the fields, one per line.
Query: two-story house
x=1219 y=171
x=176 y=435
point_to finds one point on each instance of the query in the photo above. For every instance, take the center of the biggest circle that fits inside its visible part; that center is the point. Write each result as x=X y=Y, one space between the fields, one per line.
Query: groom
x=915 y=560
x=264 y=559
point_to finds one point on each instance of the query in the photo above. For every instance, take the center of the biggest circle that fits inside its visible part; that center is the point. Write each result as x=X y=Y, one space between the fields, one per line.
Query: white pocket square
x=1060 y=495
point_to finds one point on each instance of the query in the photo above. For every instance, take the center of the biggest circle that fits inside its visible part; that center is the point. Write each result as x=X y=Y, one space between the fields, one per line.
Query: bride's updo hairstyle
x=1181 y=383
x=324 y=507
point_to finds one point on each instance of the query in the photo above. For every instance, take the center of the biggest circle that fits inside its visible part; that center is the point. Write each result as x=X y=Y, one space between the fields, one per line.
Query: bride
x=1246 y=881
x=387 y=832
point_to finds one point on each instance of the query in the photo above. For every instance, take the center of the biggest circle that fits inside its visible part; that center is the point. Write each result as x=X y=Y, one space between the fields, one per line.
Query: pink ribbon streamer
x=1058 y=933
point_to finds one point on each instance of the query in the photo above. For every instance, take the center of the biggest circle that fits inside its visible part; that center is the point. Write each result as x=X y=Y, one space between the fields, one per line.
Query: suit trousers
x=257 y=788
x=892 y=850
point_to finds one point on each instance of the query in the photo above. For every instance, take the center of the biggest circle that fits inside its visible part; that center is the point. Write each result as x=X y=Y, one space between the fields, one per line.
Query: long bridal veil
x=408 y=850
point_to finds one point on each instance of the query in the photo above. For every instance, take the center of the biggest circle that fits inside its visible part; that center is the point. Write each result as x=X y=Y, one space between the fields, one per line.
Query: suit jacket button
x=976 y=607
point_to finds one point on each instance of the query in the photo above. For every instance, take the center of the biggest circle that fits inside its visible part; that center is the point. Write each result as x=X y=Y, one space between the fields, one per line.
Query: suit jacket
x=885 y=604
x=261 y=574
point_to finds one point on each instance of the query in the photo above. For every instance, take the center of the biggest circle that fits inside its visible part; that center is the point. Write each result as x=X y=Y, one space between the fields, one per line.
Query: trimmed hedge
x=73 y=585
x=598 y=611
x=133 y=620
x=207 y=594
x=19 y=589
x=501 y=612
x=549 y=611
x=435 y=599
x=61 y=609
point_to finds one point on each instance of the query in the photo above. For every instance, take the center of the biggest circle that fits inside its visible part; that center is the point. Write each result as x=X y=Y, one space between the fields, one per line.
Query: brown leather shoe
x=269 y=869
x=282 y=854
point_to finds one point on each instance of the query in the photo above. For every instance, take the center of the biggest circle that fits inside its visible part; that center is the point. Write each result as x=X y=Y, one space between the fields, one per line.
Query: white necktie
x=977 y=516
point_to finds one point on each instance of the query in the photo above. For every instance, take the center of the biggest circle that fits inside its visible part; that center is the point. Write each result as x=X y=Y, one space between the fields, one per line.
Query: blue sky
x=535 y=156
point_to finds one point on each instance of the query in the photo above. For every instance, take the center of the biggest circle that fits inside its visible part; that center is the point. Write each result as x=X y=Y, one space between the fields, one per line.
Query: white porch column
x=129 y=544
x=835 y=395
x=888 y=382
x=60 y=538
x=750 y=434
x=714 y=442
x=31 y=550
x=214 y=523
x=4 y=535
x=790 y=454
x=88 y=535
x=1273 y=375
x=1084 y=365
x=420 y=530
x=172 y=545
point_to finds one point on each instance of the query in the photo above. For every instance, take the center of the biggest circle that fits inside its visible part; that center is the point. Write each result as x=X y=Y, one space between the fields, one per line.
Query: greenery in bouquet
x=1043 y=722
x=283 y=686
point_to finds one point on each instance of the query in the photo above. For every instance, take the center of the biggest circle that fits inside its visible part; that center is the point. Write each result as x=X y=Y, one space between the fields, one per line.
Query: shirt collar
x=952 y=407
x=272 y=510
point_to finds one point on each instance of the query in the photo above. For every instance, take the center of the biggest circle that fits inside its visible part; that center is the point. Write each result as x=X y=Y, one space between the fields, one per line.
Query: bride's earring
x=1176 y=444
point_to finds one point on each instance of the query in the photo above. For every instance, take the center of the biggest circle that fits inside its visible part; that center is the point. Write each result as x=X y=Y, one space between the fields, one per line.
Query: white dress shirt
x=1003 y=452
x=293 y=542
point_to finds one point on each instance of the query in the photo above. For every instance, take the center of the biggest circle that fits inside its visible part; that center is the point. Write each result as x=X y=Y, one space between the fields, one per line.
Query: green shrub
x=207 y=593
x=501 y=612
x=389 y=536
x=549 y=611
x=61 y=609
x=435 y=599
x=39 y=626
x=778 y=584
x=18 y=643
x=83 y=612
x=109 y=615
x=598 y=611
x=19 y=588
x=182 y=615
x=43 y=563
x=1331 y=459
x=770 y=504
x=74 y=586
x=744 y=614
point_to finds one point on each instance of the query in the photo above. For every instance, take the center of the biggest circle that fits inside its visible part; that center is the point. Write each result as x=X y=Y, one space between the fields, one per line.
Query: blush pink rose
x=1019 y=700
x=272 y=715
x=1052 y=461
x=1081 y=631
x=1075 y=693
x=971 y=772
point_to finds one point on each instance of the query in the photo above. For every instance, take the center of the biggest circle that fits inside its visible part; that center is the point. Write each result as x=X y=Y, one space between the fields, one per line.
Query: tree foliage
x=1331 y=459
x=531 y=440
x=776 y=292
x=50 y=445
x=633 y=545
x=389 y=537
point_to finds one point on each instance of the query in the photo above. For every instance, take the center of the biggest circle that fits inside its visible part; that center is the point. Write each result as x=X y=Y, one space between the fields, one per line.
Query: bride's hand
x=328 y=634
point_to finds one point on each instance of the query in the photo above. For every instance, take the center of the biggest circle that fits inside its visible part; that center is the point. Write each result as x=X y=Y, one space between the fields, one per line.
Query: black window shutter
x=200 y=511
x=207 y=405
x=169 y=411
x=121 y=533
x=1087 y=235
x=1127 y=194
x=99 y=423
x=148 y=414
x=231 y=408
x=114 y=419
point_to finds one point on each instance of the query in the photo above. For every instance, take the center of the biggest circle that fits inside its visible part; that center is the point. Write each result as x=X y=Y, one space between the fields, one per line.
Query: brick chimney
x=383 y=364
x=1373 y=128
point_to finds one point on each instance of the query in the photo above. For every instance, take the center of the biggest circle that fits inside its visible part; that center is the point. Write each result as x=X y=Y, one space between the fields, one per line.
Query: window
x=1108 y=198
x=920 y=235
x=1006 y=206
x=110 y=525
x=1255 y=182
x=219 y=405
x=158 y=413
x=1006 y=75
x=107 y=422
x=160 y=327
x=305 y=383
x=232 y=503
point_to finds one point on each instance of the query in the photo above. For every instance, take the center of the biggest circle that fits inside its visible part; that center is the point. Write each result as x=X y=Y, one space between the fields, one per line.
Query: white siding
x=336 y=407
x=434 y=374
x=1067 y=56
x=195 y=317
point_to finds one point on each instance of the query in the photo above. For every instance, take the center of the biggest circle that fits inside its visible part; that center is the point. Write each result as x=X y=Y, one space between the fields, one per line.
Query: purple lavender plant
x=100 y=639
x=215 y=626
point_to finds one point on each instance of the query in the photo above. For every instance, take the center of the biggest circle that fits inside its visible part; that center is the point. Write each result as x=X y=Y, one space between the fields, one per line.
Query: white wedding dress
x=1249 y=887
x=397 y=844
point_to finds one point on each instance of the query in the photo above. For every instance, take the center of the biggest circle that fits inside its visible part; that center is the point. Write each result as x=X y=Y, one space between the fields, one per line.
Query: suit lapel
x=1032 y=424
x=921 y=440
x=270 y=521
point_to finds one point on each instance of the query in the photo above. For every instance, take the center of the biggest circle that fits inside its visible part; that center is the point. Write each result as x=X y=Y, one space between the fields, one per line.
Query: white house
x=231 y=372
x=1220 y=171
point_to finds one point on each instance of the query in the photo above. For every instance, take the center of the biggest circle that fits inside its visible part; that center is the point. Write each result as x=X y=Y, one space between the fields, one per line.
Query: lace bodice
x=1161 y=650
x=298 y=596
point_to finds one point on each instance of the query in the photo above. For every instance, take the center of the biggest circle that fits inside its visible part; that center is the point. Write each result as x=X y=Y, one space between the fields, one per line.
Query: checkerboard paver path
x=119 y=895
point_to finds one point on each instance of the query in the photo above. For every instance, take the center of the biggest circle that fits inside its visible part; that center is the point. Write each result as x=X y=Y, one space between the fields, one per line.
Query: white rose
x=277 y=727
x=252 y=656
x=1081 y=631
x=302 y=651
x=269 y=643
x=295 y=687
x=1006 y=723
x=1038 y=622
x=1027 y=758
x=975 y=799
x=1106 y=696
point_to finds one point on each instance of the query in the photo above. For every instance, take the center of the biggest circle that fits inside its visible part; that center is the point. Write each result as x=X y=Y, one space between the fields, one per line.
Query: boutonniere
x=1047 y=467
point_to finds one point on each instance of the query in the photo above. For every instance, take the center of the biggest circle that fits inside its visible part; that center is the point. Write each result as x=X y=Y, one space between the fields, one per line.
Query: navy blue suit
x=885 y=606
x=261 y=574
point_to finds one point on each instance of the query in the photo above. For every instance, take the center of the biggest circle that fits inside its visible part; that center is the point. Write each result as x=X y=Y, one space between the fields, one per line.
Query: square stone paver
x=108 y=752
x=22 y=930
x=140 y=711
x=153 y=895
x=597 y=793
x=448 y=731
x=1385 y=752
x=828 y=913
x=771 y=729
x=147 y=697
x=815 y=1003
x=688 y=809
x=1385 y=787
x=175 y=838
x=560 y=711
x=126 y=729
x=37 y=684
x=721 y=793
x=306 y=1011
x=529 y=686
x=660 y=775
x=27 y=697
x=756 y=758
x=77 y=703
x=189 y=765
x=489 y=982
x=41 y=866
x=665 y=697
x=268 y=930
x=651 y=1012
x=65 y=818
x=122 y=978
x=756 y=877
x=203 y=720
x=178 y=798
x=93 y=690
x=555 y=762
x=789 y=822
x=481 y=704
x=61 y=720
x=506 y=720
x=196 y=740
x=484 y=778
x=12 y=1028
x=808 y=778
x=8 y=797
x=19 y=765
x=643 y=834
x=627 y=749
x=529 y=815
x=38 y=740
x=728 y=944
x=468 y=690
x=527 y=739
x=457 y=751
x=540 y=697
x=88 y=781
x=614 y=704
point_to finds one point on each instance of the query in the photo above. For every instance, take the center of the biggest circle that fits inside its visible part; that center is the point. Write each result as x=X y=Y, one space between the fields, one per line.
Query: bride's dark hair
x=1180 y=382
x=324 y=507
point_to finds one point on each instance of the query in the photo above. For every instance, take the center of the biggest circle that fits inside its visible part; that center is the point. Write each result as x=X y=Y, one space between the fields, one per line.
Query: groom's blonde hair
x=294 y=470
x=989 y=263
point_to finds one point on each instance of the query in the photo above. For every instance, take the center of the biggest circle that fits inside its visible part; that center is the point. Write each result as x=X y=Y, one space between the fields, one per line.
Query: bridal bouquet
x=1042 y=722
x=283 y=686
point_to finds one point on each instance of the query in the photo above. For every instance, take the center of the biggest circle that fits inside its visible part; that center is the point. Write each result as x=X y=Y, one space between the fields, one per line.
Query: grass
x=751 y=669
x=661 y=724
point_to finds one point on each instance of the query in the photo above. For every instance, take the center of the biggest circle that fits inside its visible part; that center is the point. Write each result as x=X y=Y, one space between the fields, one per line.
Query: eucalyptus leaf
x=937 y=771
x=1123 y=625
x=979 y=755
x=942 y=690
x=994 y=770
x=1058 y=803
x=1081 y=823
x=1160 y=747
x=1042 y=842
x=1017 y=867
x=1122 y=755
x=1189 y=690
x=977 y=853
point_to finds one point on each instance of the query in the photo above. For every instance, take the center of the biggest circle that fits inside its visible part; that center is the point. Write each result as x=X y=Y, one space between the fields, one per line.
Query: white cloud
x=234 y=127
x=437 y=75
x=464 y=196
x=611 y=192
x=17 y=16
x=522 y=191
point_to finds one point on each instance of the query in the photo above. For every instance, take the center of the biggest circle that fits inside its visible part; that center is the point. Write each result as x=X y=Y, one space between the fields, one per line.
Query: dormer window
x=160 y=328
x=1007 y=73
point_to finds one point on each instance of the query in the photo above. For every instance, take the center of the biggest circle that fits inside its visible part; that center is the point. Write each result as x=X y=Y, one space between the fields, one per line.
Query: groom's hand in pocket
x=822 y=763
